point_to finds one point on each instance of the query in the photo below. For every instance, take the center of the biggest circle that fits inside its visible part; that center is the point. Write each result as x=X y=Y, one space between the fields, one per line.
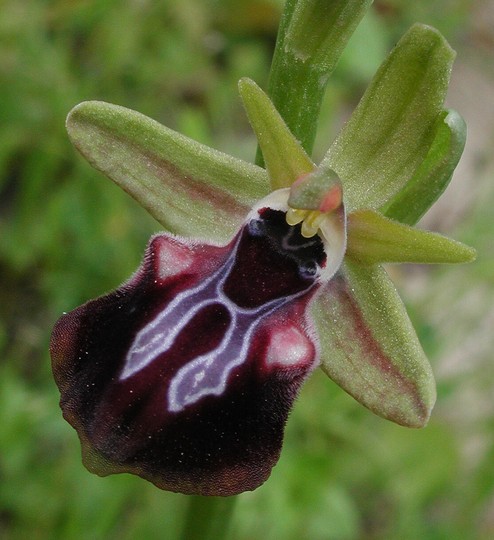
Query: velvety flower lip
x=185 y=374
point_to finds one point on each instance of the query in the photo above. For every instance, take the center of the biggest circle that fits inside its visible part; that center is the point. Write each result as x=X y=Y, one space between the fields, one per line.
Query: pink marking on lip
x=173 y=257
x=289 y=347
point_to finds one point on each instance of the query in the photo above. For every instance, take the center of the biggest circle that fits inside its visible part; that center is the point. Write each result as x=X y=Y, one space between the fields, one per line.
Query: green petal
x=189 y=188
x=392 y=129
x=369 y=346
x=284 y=157
x=434 y=174
x=373 y=238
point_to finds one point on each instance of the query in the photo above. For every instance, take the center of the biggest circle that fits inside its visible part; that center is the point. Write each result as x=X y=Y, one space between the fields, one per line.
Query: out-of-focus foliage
x=67 y=234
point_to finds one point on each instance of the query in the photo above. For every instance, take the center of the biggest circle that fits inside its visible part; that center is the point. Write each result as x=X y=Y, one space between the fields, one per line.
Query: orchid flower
x=185 y=374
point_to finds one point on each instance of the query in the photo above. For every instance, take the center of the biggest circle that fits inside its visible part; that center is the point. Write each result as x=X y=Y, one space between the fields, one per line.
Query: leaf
x=393 y=127
x=369 y=346
x=433 y=174
x=373 y=239
x=284 y=157
x=188 y=187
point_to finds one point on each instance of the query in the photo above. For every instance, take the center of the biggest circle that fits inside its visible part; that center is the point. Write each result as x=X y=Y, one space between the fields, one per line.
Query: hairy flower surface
x=185 y=375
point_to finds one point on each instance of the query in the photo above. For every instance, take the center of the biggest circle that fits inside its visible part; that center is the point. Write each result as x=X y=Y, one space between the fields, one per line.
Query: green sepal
x=284 y=157
x=369 y=346
x=188 y=187
x=392 y=129
x=373 y=239
x=434 y=173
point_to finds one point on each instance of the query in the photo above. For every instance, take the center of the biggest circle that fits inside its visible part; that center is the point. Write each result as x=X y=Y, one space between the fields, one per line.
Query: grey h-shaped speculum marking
x=206 y=374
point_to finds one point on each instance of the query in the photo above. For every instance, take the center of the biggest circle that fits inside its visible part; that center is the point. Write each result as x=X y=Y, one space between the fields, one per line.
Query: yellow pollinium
x=311 y=220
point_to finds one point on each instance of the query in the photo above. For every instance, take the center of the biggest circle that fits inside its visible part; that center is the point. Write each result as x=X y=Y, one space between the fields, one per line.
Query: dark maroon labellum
x=186 y=374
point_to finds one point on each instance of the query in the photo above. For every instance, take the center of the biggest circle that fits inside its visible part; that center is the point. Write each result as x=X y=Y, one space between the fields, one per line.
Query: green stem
x=311 y=38
x=208 y=518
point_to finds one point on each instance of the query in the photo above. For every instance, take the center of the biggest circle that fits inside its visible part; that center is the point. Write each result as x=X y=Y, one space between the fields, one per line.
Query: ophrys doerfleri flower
x=185 y=375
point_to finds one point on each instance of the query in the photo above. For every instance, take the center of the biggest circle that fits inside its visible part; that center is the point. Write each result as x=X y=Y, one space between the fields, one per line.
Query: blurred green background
x=67 y=234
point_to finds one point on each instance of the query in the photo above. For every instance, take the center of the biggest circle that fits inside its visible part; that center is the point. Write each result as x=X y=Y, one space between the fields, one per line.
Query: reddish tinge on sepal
x=185 y=375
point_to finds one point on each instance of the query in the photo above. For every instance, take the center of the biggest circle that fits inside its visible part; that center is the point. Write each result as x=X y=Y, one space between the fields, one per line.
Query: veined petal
x=369 y=347
x=391 y=131
x=188 y=187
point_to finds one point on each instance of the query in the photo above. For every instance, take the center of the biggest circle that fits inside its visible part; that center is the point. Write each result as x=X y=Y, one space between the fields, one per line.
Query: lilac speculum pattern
x=208 y=373
x=186 y=374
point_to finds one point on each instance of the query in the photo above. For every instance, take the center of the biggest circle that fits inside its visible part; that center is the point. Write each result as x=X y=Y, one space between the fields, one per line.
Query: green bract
x=393 y=159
